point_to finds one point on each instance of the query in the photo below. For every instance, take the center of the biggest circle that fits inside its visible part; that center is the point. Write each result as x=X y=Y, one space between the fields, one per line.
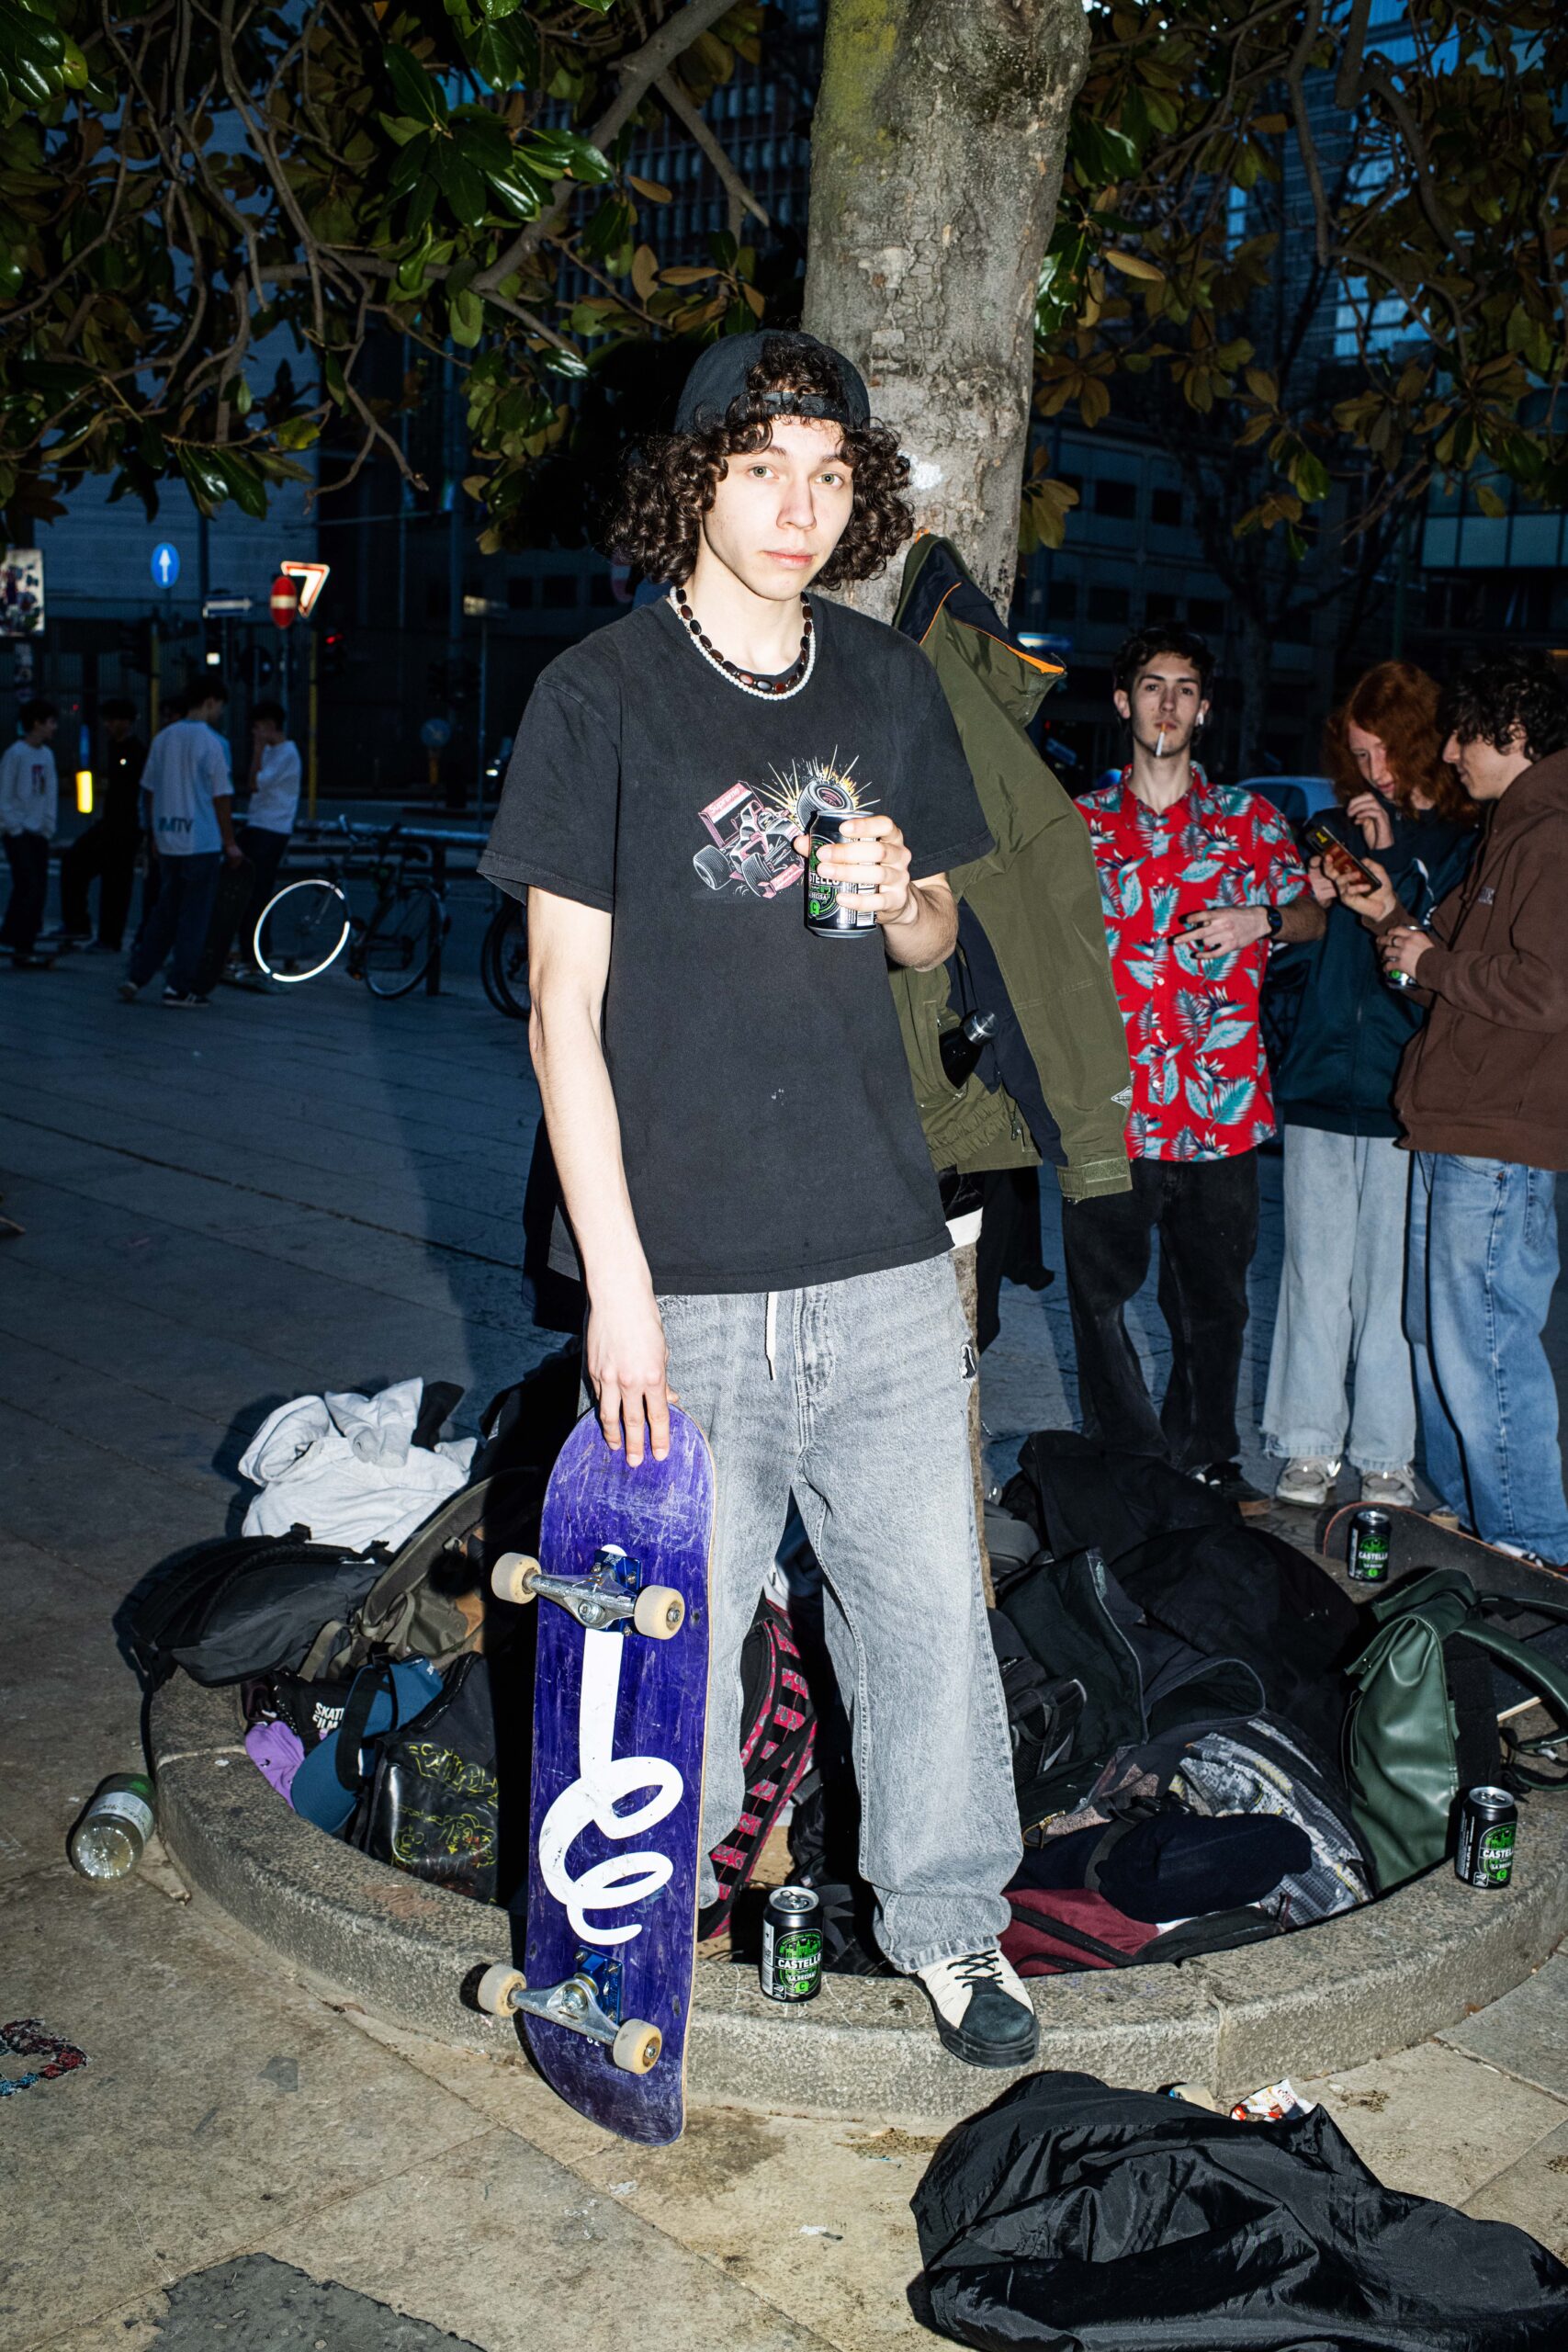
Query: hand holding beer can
x=835 y=910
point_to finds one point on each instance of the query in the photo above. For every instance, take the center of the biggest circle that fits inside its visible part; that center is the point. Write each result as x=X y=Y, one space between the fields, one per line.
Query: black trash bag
x=243 y=1607
x=1069 y=2217
x=433 y=1806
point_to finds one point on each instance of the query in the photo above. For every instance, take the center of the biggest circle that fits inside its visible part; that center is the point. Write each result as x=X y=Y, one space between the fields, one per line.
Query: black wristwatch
x=1274 y=917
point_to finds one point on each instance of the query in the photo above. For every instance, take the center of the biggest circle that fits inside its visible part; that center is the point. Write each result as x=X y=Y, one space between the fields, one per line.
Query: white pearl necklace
x=727 y=670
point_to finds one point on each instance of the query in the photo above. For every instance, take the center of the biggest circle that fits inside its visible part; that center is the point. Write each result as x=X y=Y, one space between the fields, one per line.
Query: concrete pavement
x=223 y=1209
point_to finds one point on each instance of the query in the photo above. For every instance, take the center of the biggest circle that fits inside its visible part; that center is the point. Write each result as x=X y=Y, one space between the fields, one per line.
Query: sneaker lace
x=978 y=1968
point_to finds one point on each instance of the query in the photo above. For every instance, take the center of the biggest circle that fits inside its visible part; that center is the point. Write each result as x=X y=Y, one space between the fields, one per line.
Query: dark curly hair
x=1398 y=704
x=1136 y=653
x=1489 y=697
x=669 y=481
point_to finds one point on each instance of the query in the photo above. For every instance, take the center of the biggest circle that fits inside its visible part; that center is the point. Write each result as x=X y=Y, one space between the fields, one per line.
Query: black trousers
x=105 y=854
x=1205 y=1213
x=264 y=855
x=27 y=854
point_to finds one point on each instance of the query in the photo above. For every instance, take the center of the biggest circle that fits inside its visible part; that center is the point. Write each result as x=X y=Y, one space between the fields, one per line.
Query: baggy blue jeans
x=1483 y=1260
x=1341 y=1301
x=853 y=1394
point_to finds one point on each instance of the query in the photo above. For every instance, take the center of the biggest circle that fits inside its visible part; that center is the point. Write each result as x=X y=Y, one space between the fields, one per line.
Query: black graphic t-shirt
x=767 y=1119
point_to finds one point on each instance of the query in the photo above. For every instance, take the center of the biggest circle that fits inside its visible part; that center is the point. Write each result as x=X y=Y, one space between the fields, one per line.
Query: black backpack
x=242 y=1607
x=433 y=1805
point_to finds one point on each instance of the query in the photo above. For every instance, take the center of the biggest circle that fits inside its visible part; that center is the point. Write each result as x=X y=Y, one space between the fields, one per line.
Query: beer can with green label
x=1488 y=1824
x=792 y=1944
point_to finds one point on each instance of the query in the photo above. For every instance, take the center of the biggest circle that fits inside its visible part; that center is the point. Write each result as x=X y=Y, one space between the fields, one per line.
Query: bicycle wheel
x=503 y=960
x=401 y=939
x=302 y=929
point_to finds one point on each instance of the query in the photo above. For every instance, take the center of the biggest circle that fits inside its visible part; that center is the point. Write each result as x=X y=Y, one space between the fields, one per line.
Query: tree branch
x=741 y=200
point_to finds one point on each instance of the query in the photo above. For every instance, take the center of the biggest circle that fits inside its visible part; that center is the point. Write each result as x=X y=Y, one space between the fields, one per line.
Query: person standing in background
x=270 y=812
x=106 y=852
x=189 y=805
x=1483 y=1096
x=1347 y=1181
x=1197 y=880
x=29 y=802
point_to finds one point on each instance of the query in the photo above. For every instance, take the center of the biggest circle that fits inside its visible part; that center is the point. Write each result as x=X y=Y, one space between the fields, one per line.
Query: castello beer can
x=1366 y=1554
x=832 y=911
x=1488 y=1824
x=792 y=1944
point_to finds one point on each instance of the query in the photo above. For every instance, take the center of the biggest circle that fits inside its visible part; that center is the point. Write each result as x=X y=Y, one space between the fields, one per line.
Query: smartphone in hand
x=1340 y=864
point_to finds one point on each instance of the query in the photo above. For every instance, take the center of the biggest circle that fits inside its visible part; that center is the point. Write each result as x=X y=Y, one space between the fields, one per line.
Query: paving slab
x=1526 y=2032
x=1433 y=2123
x=1532 y=2193
x=254 y=2303
x=70 y=1708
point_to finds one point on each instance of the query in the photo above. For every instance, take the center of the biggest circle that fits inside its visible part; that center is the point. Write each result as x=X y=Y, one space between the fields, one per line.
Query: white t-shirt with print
x=29 y=789
x=276 y=795
x=186 y=768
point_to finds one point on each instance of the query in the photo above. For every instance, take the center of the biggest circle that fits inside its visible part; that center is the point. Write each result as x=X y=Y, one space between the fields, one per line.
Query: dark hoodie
x=1488 y=1075
x=1340 y=1067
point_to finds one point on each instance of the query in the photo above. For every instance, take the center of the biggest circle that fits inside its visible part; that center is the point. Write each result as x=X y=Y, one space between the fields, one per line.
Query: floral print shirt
x=1199 y=1080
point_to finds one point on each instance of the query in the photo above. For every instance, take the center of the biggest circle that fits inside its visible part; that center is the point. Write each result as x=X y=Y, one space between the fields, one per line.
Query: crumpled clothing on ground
x=344 y=1467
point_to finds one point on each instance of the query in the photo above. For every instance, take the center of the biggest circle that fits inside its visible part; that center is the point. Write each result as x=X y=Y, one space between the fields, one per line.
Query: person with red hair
x=1347 y=1182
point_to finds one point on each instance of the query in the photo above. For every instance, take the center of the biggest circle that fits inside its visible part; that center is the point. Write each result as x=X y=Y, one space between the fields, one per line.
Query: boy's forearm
x=585 y=1139
x=930 y=936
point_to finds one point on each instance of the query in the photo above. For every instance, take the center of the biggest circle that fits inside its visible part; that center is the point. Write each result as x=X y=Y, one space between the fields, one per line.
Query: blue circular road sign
x=166 y=564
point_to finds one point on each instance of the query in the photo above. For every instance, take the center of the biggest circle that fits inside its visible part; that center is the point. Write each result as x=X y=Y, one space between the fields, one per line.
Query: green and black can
x=792 y=1944
x=1366 y=1554
x=1488 y=1825
x=833 y=911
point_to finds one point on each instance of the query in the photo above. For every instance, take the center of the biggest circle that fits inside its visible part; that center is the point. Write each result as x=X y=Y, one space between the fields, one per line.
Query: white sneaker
x=982 y=2012
x=1395 y=1490
x=1308 y=1478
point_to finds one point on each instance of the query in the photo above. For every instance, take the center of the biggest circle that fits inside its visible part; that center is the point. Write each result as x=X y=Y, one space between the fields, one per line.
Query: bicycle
x=305 y=927
x=503 y=959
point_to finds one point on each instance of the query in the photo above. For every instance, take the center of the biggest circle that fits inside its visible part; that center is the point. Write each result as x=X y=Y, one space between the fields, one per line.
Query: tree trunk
x=936 y=161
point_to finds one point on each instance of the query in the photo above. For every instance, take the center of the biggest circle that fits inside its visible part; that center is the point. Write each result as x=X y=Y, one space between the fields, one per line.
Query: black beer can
x=1488 y=1824
x=792 y=1944
x=832 y=912
x=1366 y=1554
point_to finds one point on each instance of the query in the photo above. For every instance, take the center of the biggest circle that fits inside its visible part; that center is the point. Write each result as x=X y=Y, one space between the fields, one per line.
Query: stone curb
x=1328 y=1998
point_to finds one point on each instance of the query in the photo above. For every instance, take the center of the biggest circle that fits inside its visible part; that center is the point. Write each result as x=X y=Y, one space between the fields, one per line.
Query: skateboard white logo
x=603 y=1779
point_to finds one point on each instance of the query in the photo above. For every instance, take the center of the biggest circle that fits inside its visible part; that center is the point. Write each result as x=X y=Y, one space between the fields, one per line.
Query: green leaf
x=459 y=182
x=465 y=317
x=205 y=477
x=560 y=151
x=245 y=485
x=563 y=363
x=400 y=128
x=1099 y=155
x=418 y=93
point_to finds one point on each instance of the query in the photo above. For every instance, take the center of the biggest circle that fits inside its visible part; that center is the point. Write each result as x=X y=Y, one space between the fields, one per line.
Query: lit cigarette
x=1160 y=744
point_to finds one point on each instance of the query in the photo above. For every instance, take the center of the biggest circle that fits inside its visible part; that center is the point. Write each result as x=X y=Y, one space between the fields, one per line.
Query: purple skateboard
x=620 y=1704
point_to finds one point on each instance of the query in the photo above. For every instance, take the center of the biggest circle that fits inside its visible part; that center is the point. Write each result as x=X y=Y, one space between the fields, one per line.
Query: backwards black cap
x=721 y=375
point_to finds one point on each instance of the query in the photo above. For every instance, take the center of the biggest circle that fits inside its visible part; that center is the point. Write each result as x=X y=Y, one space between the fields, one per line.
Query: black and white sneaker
x=183 y=998
x=982 y=2012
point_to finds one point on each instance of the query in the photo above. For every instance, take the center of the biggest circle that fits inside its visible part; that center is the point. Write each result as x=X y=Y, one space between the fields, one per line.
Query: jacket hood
x=1532 y=792
x=935 y=582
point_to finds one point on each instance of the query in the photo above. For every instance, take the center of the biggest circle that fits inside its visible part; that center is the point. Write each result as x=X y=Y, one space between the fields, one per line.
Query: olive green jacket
x=1036 y=896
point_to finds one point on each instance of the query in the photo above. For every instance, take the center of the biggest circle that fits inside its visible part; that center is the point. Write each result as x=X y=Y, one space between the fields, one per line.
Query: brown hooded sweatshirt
x=1488 y=1074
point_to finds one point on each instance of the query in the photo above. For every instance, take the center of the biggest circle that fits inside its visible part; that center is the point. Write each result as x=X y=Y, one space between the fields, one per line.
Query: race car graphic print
x=750 y=853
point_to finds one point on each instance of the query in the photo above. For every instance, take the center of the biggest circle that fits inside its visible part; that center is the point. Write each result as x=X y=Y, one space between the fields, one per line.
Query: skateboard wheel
x=509 y=1577
x=497 y=1988
x=637 y=2047
x=659 y=1612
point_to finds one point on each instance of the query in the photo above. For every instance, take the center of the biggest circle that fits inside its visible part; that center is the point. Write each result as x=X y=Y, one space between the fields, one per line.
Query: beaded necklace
x=765 y=689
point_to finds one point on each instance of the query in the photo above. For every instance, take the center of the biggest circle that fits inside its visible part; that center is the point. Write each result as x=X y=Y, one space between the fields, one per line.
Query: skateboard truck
x=609 y=1598
x=587 y=2002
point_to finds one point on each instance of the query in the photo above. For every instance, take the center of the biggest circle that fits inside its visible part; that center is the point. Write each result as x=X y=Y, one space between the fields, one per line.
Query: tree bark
x=937 y=148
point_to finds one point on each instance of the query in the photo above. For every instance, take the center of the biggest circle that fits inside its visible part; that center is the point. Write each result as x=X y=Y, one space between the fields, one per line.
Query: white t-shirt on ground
x=276 y=795
x=186 y=769
x=29 y=789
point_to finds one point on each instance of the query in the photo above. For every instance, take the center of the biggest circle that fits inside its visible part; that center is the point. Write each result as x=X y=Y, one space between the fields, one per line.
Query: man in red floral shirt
x=1196 y=880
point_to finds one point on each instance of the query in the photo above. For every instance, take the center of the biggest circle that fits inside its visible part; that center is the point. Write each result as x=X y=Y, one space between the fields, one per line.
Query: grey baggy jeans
x=854 y=1395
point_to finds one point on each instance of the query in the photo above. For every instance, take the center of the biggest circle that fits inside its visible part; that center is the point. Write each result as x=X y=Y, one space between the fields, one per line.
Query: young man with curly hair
x=729 y=1104
x=1483 y=1096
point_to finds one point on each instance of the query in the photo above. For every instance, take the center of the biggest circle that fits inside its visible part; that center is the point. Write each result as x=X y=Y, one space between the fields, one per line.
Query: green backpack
x=1421 y=1721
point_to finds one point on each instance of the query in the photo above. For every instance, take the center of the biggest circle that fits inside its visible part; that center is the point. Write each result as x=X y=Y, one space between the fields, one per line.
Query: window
x=1165 y=508
x=1207 y=613
x=560 y=591
x=1118 y=499
x=1160 y=604
x=1107 y=604
x=519 y=592
x=1062 y=599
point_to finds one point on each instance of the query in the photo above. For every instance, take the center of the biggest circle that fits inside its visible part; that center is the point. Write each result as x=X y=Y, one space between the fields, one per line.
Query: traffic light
x=452 y=682
x=135 y=646
x=335 y=653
